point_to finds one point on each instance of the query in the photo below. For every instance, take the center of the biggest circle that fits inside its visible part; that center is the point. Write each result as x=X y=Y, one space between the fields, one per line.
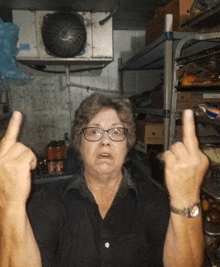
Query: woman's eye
x=117 y=131
x=93 y=132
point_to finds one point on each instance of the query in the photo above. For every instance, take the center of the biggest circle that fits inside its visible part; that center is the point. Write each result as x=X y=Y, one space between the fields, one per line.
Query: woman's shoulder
x=143 y=177
x=147 y=187
x=51 y=191
x=151 y=189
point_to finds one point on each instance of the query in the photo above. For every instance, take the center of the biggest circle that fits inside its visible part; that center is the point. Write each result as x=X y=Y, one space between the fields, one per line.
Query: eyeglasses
x=93 y=134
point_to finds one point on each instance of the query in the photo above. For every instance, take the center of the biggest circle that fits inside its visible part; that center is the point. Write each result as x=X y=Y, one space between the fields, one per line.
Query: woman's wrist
x=183 y=203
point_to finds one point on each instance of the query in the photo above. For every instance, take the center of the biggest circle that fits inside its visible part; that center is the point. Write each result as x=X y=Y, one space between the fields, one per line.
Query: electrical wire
x=102 y=22
x=89 y=88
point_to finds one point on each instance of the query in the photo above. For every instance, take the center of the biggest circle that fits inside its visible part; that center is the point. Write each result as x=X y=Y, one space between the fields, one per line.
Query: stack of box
x=149 y=132
x=181 y=14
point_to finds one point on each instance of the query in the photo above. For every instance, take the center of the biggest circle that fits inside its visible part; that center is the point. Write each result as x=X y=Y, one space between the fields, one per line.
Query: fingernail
x=16 y=114
x=189 y=112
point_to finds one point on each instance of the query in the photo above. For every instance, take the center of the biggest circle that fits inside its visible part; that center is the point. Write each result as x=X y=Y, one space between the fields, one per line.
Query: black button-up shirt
x=71 y=232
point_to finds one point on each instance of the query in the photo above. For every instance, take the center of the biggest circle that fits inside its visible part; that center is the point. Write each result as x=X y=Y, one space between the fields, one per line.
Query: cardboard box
x=192 y=99
x=181 y=14
x=153 y=132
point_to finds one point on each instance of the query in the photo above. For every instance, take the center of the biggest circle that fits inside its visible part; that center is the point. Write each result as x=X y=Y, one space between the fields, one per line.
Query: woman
x=103 y=153
x=103 y=216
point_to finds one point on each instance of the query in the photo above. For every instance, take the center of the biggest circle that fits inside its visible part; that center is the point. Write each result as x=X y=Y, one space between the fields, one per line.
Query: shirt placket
x=106 y=248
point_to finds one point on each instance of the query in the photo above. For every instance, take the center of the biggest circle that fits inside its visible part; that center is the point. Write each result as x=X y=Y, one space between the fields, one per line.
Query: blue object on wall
x=9 y=69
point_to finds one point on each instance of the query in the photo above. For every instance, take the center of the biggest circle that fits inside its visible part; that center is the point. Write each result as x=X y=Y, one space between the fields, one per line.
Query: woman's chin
x=106 y=169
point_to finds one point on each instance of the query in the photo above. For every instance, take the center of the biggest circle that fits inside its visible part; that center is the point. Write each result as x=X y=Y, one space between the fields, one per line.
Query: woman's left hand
x=185 y=166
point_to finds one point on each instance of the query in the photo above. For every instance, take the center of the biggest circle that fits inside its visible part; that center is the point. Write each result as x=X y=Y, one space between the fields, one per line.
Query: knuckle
x=176 y=145
x=20 y=145
x=166 y=155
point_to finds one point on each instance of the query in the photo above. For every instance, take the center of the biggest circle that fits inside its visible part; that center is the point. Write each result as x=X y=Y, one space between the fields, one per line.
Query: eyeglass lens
x=95 y=134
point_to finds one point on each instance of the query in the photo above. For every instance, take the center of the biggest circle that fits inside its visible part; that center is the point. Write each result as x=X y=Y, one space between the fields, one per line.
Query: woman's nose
x=105 y=139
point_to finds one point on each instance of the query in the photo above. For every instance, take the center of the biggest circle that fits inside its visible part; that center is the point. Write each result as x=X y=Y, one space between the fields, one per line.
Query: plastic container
x=51 y=150
x=60 y=149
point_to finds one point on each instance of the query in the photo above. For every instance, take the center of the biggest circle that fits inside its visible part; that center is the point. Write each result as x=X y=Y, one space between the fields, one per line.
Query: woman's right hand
x=16 y=162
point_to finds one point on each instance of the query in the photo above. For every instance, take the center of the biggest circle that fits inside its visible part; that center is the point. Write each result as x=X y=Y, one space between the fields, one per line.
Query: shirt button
x=107 y=245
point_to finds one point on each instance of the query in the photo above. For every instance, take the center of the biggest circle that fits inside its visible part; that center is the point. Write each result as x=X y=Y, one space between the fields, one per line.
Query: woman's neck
x=104 y=190
x=103 y=182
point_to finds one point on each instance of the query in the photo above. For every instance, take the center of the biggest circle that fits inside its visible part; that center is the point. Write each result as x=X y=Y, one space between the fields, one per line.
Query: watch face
x=194 y=211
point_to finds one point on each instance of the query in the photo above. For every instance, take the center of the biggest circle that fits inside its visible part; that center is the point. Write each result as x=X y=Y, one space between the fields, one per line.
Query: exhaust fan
x=63 y=34
x=53 y=37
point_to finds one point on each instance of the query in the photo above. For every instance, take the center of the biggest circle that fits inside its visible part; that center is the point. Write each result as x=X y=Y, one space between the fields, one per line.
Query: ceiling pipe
x=67 y=74
x=88 y=88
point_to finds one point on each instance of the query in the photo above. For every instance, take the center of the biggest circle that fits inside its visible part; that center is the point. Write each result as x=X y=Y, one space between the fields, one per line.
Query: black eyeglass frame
x=107 y=131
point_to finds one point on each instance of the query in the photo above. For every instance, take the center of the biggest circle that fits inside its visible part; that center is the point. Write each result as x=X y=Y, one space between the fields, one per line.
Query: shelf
x=167 y=53
x=204 y=18
x=194 y=44
x=214 y=88
x=207 y=120
x=212 y=188
x=203 y=140
x=211 y=229
x=152 y=57
x=160 y=113
x=150 y=111
x=209 y=52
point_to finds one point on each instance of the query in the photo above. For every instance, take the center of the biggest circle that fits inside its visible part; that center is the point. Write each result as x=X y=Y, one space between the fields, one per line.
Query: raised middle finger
x=12 y=132
x=189 y=132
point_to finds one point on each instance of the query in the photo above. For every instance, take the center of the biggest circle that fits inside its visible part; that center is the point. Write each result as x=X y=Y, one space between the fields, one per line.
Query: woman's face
x=105 y=156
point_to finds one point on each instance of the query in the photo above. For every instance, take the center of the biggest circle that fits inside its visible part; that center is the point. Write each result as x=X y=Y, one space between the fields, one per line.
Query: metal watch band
x=187 y=212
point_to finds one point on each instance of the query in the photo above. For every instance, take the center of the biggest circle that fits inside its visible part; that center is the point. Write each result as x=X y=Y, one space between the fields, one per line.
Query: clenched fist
x=16 y=162
x=185 y=166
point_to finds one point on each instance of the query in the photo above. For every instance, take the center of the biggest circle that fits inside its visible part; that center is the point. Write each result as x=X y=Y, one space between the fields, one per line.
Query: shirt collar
x=78 y=182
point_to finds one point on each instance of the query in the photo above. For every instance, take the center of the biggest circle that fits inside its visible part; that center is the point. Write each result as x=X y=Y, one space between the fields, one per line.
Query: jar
x=60 y=150
x=51 y=150
x=51 y=166
x=42 y=166
x=59 y=167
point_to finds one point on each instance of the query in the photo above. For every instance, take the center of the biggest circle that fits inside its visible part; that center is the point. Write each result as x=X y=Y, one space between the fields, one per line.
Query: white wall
x=48 y=106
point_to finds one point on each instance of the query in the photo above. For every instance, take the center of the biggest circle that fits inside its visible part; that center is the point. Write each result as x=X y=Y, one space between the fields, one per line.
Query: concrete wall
x=48 y=106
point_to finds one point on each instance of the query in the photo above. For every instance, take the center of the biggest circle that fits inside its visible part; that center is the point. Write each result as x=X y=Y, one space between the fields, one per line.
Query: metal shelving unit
x=180 y=58
x=158 y=55
x=168 y=52
x=204 y=18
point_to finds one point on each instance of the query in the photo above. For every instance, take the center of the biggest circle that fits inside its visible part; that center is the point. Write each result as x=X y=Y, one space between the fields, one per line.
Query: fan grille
x=64 y=34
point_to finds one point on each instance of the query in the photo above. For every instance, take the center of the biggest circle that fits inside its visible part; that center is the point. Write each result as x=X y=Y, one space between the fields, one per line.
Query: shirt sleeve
x=43 y=214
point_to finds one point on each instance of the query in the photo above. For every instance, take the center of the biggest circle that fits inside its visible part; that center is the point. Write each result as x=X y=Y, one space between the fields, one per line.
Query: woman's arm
x=18 y=247
x=185 y=168
x=184 y=244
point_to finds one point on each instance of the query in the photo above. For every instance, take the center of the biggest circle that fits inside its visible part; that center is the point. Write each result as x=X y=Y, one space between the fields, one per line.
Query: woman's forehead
x=106 y=116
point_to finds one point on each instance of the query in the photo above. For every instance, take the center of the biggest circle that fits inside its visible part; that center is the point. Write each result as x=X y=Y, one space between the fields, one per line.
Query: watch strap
x=186 y=212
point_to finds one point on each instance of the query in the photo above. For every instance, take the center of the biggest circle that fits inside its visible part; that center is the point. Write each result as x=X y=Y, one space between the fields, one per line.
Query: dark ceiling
x=127 y=15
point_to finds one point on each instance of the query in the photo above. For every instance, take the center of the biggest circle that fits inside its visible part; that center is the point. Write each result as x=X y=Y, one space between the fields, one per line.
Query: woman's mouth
x=105 y=156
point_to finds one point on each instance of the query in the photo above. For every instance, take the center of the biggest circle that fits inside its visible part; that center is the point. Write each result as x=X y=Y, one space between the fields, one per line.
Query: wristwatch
x=191 y=212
